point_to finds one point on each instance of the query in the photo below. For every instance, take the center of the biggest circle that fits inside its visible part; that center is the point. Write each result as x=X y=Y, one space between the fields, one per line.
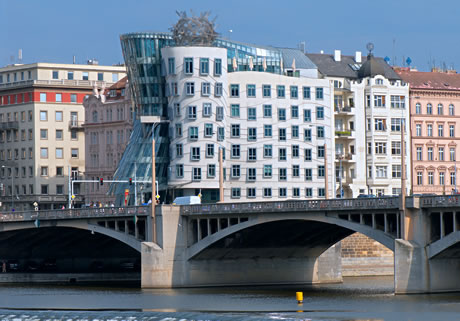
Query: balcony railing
x=60 y=82
x=9 y=125
x=344 y=133
x=75 y=124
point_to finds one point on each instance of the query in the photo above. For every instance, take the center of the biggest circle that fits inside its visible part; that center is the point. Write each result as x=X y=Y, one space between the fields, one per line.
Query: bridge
x=279 y=242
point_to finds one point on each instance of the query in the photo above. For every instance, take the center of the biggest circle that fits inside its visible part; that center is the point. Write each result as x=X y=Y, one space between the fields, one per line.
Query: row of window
x=58 y=116
x=251 y=192
x=398 y=102
x=380 y=148
x=16 y=76
x=43 y=98
x=235 y=132
x=59 y=152
x=44 y=189
x=380 y=124
x=429 y=109
x=109 y=115
x=431 y=156
x=431 y=178
x=251 y=173
x=381 y=171
x=20 y=76
x=235 y=112
x=236 y=152
x=429 y=130
x=11 y=154
x=188 y=66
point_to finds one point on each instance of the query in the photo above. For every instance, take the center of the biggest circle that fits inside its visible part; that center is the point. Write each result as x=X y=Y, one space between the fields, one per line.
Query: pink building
x=108 y=126
x=435 y=130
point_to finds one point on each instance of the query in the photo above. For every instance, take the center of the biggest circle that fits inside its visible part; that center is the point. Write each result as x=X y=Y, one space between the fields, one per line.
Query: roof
x=120 y=84
x=431 y=80
x=347 y=66
x=301 y=61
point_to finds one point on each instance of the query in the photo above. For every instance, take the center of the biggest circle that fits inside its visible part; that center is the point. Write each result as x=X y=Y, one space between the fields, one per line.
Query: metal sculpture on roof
x=194 y=30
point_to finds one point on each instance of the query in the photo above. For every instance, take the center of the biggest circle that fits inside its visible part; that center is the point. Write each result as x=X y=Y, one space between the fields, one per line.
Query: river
x=355 y=299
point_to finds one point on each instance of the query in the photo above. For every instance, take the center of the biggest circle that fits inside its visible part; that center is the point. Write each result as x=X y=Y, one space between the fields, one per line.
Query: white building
x=275 y=130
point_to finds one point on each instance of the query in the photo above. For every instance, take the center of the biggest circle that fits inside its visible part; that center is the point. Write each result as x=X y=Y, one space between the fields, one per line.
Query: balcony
x=75 y=124
x=9 y=125
x=347 y=134
x=343 y=109
x=345 y=157
x=56 y=83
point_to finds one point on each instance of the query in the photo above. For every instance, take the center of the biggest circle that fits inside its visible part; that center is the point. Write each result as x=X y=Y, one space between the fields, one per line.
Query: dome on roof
x=371 y=68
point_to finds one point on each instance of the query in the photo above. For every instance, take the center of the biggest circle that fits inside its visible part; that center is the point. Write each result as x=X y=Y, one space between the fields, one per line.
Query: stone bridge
x=272 y=242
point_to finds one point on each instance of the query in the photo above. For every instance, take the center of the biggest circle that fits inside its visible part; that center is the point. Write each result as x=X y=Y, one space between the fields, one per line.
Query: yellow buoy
x=299 y=297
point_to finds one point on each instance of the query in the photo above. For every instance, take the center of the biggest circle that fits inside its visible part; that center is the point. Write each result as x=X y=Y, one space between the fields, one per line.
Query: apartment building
x=108 y=125
x=42 y=143
x=434 y=110
x=370 y=102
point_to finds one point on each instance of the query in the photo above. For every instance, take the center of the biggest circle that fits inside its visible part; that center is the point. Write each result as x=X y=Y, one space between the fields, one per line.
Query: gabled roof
x=431 y=80
x=348 y=68
x=301 y=60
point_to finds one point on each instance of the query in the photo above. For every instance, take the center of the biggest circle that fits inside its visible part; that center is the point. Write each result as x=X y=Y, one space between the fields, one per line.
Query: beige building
x=108 y=125
x=42 y=142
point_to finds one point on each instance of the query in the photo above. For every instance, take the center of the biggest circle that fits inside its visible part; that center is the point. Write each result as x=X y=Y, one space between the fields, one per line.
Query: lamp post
x=12 y=186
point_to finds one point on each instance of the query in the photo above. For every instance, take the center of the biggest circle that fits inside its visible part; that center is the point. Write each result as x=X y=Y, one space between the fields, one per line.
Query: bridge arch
x=448 y=246
x=343 y=228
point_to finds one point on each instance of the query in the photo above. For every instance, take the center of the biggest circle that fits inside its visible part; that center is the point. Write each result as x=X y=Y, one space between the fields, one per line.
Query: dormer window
x=379 y=81
x=113 y=93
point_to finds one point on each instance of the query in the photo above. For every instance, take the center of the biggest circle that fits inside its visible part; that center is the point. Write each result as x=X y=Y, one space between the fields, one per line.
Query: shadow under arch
x=269 y=237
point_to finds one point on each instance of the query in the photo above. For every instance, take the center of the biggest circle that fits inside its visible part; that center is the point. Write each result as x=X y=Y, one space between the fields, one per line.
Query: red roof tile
x=431 y=80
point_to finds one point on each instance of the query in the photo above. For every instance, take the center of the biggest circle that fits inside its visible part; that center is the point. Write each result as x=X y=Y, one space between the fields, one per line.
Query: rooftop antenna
x=74 y=59
x=394 y=46
x=20 y=55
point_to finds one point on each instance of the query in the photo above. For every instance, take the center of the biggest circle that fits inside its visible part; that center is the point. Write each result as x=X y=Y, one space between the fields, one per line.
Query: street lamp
x=12 y=186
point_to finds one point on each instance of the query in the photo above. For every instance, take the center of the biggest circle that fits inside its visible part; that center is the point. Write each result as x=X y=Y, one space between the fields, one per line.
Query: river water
x=355 y=299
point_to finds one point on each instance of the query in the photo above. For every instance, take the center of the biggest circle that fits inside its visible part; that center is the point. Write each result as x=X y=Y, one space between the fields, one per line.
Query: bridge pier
x=166 y=264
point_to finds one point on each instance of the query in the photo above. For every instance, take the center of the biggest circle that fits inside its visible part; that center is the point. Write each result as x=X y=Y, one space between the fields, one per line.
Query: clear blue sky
x=55 y=30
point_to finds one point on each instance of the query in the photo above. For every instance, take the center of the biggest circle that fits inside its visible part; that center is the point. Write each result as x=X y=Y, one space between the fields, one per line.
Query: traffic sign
x=158 y=197
x=35 y=204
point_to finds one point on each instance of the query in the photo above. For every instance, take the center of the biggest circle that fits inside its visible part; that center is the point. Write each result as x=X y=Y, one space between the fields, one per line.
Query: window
x=59 y=171
x=70 y=75
x=419 y=153
x=204 y=66
x=235 y=130
x=44 y=152
x=396 y=171
x=58 y=116
x=211 y=170
x=195 y=153
x=451 y=130
x=380 y=148
x=379 y=101
x=282 y=154
x=281 y=114
x=295 y=151
x=429 y=130
x=74 y=152
x=267 y=192
x=441 y=178
x=85 y=75
x=320 y=151
x=308 y=192
x=282 y=134
x=440 y=130
x=114 y=77
x=280 y=90
x=266 y=91
x=430 y=153
x=396 y=148
x=308 y=154
x=251 y=174
x=321 y=170
x=251 y=192
x=451 y=110
x=452 y=178
x=319 y=93
x=188 y=65
x=369 y=171
x=381 y=172
x=267 y=171
x=236 y=171
x=219 y=113
x=171 y=66
x=179 y=170
x=208 y=130
x=236 y=192
x=73 y=98
x=252 y=113
x=321 y=192
x=295 y=131
x=440 y=109
x=205 y=89
x=307 y=134
x=207 y=109
x=294 y=112
x=43 y=97
x=419 y=178
x=235 y=110
x=209 y=150
x=251 y=91
x=380 y=124
x=44 y=171
x=55 y=74
x=295 y=170
x=217 y=66
x=43 y=133
x=252 y=134
x=418 y=108
x=307 y=115
x=308 y=174
x=320 y=132
x=44 y=189
x=100 y=76
x=191 y=112
x=193 y=133
x=282 y=192
x=397 y=102
x=268 y=111
x=319 y=112
x=190 y=88
x=418 y=130
x=441 y=153
x=268 y=151
x=220 y=133
x=178 y=130
x=179 y=150
x=196 y=174
x=430 y=178
x=294 y=92
x=218 y=89
x=452 y=154
x=396 y=124
x=236 y=151
x=252 y=154
x=234 y=90
x=429 y=109
x=306 y=92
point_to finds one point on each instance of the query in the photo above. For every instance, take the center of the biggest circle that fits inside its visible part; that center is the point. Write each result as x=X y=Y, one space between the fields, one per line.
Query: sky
x=56 y=30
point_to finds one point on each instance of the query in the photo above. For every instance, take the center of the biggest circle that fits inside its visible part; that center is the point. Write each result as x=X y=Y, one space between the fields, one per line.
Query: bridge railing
x=440 y=201
x=76 y=213
x=292 y=206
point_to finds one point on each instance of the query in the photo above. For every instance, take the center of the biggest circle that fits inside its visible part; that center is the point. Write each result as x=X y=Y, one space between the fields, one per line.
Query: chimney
x=337 y=55
x=358 y=57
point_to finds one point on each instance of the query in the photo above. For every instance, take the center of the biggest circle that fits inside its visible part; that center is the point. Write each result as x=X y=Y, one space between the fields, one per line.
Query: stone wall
x=362 y=256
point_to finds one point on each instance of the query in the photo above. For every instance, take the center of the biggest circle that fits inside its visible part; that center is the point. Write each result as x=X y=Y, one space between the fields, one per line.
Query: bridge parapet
x=292 y=206
x=76 y=213
x=439 y=201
